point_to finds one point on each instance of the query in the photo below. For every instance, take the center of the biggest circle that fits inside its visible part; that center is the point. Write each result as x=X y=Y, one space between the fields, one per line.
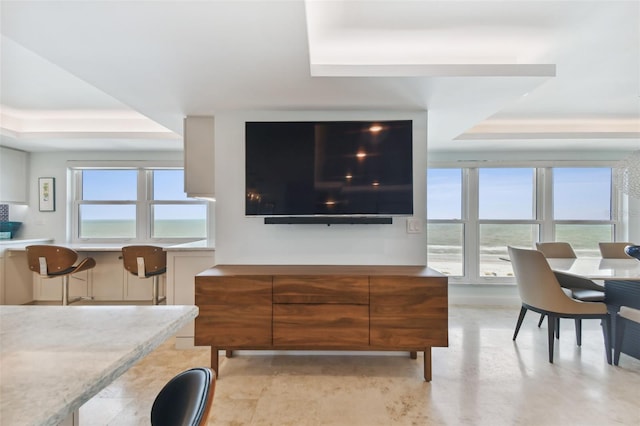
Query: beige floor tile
x=482 y=378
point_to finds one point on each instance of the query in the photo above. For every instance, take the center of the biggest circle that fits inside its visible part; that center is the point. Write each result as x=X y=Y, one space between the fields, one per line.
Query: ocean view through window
x=474 y=213
x=135 y=204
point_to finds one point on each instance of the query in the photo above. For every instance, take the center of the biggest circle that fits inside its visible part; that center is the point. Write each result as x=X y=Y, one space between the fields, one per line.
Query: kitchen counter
x=111 y=247
x=55 y=358
x=193 y=246
x=18 y=243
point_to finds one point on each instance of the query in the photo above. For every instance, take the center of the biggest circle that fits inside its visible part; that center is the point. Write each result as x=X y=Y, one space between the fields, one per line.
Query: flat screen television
x=329 y=168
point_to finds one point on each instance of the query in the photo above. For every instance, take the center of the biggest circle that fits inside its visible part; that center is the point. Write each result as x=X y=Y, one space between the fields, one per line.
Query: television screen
x=329 y=168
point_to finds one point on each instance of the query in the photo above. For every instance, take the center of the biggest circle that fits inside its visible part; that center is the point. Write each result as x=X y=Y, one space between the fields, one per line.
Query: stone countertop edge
x=112 y=371
x=192 y=246
x=201 y=245
x=25 y=242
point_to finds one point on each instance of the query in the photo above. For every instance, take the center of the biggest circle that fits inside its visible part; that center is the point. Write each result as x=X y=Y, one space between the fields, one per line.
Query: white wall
x=241 y=239
x=54 y=225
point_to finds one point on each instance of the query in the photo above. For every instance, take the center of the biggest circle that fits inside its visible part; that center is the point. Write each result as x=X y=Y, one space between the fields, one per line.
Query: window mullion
x=546 y=196
x=471 y=229
x=142 y=206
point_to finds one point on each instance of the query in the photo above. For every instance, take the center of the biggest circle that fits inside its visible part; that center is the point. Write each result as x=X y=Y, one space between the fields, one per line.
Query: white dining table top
x=55 y=358
x=598 y=269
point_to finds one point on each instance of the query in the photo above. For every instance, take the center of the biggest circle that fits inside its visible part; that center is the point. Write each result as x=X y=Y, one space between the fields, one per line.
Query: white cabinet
x=199 y=155
x=16 y=279
x=107 y=278
x=13 y=176
x=141 y=288
x=182 y=268
x=1 y=277
x=50 y=289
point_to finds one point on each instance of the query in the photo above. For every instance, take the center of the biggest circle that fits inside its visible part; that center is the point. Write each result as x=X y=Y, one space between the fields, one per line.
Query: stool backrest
x=155 y=259
x=58 y=259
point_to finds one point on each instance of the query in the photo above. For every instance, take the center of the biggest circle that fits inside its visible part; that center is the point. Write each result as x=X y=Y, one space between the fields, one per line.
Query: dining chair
x=51 y=261
x=146 y=261
x=556 y=249
x=541 y=292
x=614 y=250
x=186 y=399
x=581 y=288
x=625 y=315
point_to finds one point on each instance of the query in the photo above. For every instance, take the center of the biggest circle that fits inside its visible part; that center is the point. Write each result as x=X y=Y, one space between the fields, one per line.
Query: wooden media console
x=368 y=308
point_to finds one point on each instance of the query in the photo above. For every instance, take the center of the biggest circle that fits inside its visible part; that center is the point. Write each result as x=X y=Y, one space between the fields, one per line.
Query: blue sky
x=121 y=185
x=507 y=193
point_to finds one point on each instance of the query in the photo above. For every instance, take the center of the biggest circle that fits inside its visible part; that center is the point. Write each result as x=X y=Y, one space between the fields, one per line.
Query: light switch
x=414 y=225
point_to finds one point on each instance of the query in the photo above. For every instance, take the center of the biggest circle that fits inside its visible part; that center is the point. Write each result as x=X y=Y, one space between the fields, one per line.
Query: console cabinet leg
x=214 y=360
x=427 y=364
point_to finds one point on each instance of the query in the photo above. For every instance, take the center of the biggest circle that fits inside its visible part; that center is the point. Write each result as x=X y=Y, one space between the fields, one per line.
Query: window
x=506 y=193
x=474 y=213
x=172 y=218
x=135 y=203
x=445 y=229
x=582 y=208
x=506 y=213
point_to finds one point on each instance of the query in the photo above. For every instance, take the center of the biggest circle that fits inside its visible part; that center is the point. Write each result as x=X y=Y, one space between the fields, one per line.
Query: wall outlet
x=414 y=225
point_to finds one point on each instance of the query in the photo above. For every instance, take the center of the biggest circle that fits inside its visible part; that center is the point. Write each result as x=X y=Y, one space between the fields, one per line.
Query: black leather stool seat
x=185 y=400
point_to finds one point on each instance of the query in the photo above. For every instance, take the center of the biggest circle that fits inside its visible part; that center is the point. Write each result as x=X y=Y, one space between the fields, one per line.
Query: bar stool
x=56 y=261
x=146 y=261
x=186 y=399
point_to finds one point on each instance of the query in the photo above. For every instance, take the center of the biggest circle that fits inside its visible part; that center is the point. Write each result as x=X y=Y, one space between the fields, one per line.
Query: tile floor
x=482 y=378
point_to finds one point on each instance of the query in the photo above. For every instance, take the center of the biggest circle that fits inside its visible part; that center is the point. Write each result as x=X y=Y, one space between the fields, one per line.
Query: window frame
x=543 y=210
x=143 y=204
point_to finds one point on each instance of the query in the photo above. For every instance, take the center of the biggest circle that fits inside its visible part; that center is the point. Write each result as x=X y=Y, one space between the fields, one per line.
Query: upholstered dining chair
x=614 y=250
x=51 y=261
x=186 y=399
x=541 y=292
x=556 y=249
x=146 y=261
x=625 y=315
x=581 y=288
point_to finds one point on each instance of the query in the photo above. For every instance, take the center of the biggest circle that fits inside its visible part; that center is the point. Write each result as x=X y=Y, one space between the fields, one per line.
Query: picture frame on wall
x=47 y=194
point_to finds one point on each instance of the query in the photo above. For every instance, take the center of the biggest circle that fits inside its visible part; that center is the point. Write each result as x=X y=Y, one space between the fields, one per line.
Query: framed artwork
x=47 y=194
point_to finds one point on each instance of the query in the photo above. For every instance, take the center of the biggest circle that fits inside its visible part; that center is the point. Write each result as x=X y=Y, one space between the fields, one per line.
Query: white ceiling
x=501 y=75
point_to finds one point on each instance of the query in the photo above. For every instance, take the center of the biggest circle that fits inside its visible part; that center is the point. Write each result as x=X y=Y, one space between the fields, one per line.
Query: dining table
x=621 y=288
x=53 y=359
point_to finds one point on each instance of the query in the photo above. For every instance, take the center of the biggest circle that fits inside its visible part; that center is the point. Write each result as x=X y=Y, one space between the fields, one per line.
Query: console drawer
x=320 y=326
x=343 y=289
x=235 y=311
x=409 y=312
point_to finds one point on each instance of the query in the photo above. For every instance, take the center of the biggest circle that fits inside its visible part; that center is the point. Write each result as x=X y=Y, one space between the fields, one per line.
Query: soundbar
x=327 y=220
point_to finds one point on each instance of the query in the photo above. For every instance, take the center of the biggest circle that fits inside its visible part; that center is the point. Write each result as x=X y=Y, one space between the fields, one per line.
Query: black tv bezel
x=332 y=218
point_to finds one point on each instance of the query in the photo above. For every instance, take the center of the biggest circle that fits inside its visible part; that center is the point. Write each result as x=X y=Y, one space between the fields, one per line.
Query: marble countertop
x=110 y=247
x=55 y=358
x=26 y=242
x=193 y=246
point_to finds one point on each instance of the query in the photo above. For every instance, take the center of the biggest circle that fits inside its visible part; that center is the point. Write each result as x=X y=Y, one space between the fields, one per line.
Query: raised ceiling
x=503 y=75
